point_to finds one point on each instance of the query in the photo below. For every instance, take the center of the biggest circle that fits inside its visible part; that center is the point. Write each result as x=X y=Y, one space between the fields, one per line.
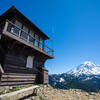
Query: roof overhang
x=13 y=11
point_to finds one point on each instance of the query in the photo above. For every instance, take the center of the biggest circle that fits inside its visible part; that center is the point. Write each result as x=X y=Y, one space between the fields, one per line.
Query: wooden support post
x=43 y=45
x=5 y=28
x=28 y=39
x=39 y=43
x=0 y=36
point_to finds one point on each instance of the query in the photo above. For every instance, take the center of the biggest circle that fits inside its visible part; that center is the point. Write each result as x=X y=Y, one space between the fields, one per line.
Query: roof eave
x=13 y=9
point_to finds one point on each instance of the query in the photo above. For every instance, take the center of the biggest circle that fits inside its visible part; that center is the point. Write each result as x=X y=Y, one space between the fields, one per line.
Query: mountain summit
x=86 y=68
x=86 y=76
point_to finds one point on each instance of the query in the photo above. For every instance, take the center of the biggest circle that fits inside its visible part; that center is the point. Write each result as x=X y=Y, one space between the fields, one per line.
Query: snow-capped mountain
x=87 y=68
x=86 y=76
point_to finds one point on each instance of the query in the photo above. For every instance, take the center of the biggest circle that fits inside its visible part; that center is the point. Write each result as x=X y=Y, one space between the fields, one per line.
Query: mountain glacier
x=86 y=68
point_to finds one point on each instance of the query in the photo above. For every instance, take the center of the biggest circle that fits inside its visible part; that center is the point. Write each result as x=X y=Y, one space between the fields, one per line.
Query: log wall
x=16 y=79
x=15 y=60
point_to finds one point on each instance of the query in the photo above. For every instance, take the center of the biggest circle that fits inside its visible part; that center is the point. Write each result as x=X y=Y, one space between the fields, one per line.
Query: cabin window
x=30 y=60
x=41 y=43
x=31 y=33
x=19 y=24
x=24 y=35
x=37 y=40
x=32 y=40
x=41 y=40
x=25 y=29
x=13 y=29
x=16 y=30
x=9 y=28
x=31 y=37
x=37 y=37
x=45 y=48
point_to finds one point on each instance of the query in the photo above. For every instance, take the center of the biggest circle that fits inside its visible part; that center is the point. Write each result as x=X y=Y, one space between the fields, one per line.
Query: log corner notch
x=1 y=69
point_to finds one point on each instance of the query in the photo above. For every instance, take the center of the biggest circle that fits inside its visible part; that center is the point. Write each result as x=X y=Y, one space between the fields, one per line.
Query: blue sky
x=76 y=28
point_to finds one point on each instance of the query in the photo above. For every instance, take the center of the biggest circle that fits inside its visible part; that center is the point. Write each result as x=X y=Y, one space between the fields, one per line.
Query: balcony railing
x=20 y=33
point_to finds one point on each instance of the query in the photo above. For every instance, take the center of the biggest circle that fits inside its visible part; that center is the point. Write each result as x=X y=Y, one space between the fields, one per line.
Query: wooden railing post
x=12 y=29
x=28 y=38
x=43 y=46
x=6 y=25
x=46 y=49
x=37 y=42
x=19 y=33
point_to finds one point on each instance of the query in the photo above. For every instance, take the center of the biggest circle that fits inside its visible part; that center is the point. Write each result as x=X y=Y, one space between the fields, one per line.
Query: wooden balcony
x=13 y=31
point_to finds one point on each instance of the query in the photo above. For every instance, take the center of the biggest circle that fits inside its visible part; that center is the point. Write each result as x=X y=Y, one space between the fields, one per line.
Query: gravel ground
x=49 y=93
x=46 y=92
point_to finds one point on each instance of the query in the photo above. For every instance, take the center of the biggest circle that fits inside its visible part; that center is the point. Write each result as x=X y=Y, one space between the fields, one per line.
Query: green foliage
x=2 y=92
x=5 y=91
x=15 y=89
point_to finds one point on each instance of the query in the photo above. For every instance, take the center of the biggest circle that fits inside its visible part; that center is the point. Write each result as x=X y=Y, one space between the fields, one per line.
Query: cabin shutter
x=30 y=61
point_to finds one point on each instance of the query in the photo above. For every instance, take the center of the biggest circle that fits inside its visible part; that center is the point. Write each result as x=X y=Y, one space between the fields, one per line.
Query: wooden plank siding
x=45 y=77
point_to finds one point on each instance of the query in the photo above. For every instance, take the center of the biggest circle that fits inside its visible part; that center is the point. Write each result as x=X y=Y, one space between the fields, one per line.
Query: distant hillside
x=86 y=77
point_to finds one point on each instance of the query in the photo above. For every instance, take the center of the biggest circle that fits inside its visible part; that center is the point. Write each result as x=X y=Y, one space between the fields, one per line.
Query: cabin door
x=30 y=61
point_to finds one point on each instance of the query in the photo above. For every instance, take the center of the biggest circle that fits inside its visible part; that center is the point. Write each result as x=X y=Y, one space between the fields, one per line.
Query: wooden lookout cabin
x=22 y=50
